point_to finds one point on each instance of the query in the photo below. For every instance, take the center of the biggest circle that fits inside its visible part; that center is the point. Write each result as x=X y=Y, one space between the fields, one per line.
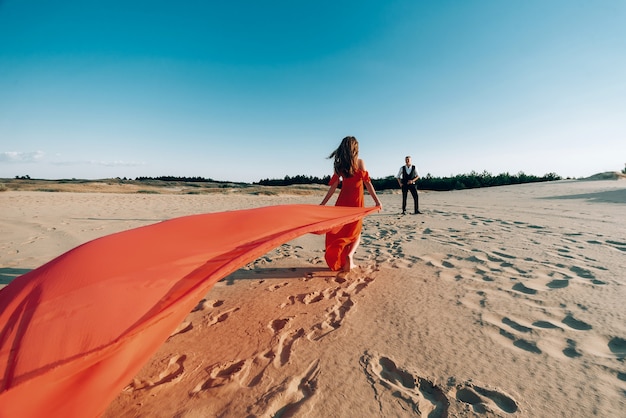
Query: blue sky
x=247 y=90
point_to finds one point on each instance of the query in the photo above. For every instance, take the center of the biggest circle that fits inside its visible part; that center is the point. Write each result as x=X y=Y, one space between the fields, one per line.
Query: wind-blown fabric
x=75 y=331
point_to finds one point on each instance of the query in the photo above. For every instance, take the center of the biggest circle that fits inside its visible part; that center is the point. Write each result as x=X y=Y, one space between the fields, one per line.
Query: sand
x=506 y=301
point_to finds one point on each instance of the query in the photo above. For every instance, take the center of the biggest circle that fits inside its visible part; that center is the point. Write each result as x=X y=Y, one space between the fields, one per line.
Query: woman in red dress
x=341 y=244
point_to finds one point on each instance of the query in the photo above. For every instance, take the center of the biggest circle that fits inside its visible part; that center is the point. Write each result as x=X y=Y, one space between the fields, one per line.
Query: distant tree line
x=182 y=179
x=475 y=180
x=290 y=181
x=472 y=180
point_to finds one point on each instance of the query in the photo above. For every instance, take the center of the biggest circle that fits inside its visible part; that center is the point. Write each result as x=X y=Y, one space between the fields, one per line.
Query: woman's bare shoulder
x=361 y=164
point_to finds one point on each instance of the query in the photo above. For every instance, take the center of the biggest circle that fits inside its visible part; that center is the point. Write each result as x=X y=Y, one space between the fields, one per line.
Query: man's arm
x=417 y=176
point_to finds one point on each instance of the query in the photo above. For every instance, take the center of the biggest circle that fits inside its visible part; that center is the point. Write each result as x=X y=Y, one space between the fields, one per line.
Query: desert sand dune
x=506 y=301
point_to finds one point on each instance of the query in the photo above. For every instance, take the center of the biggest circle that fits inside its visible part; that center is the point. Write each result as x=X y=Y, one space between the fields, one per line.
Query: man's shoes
x=404 y=212
x=418 y=213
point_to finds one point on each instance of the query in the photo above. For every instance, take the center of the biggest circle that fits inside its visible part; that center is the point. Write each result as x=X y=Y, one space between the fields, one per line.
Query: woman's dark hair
x=346 y=156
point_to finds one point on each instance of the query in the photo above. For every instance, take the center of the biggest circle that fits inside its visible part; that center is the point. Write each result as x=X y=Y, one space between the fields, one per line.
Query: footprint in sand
x=182 y=328
x=574 y=323
x=447 y=264
x=510 y=334
x=172 y=373
x=557 y=284
x=343 y=303
x=315 y=260
x=504 y=255
x=545 y=325
x=521 y=343
x=207 y=304
x=571 y=350
x=334 y=316
x=418 y=393
x=220 y=317
x=284 y=348
x=484 y=400
x=312 y=297
x=279 y=324
x=617 y=346
x=621 y=246
x=222 y=374
x=519 y=287
x=277 y=286
x=426 y=398
x=516 y=326
x=582 y=272
x=293 y=397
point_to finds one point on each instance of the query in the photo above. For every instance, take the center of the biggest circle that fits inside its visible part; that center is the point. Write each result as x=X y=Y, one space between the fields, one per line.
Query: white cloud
x=100 y=163
x=21 y=157
x=39 y=164
x=118 y=163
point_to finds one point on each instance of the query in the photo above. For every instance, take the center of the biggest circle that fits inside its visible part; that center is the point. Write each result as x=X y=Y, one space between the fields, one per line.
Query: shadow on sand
x=8 y=274
x=608 y=196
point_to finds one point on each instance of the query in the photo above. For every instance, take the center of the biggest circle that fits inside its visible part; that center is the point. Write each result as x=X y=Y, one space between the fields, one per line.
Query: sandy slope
x=496 y=302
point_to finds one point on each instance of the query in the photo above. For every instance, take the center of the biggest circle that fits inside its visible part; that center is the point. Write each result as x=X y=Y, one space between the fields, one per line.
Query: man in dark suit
x=407 y=177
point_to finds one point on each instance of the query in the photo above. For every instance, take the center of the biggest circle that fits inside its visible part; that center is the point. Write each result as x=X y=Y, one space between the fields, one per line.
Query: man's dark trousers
x=406 y=188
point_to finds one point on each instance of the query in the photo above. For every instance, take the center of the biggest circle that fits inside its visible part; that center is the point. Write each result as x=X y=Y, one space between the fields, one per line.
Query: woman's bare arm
x=370 y=189
x=331 y=190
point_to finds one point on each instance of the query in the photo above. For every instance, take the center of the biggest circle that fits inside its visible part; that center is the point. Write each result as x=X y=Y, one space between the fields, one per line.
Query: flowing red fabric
x=75 y=331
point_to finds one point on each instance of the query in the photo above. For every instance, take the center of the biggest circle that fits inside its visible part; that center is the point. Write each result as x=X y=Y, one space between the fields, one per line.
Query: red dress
x=338 y=241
